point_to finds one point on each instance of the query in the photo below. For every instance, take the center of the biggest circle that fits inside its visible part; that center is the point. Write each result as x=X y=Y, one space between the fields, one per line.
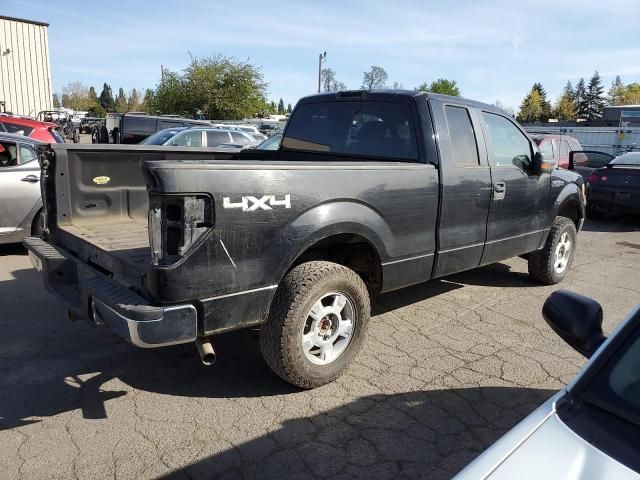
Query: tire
x=307 y=290
x=551 y=264
x=37 y=225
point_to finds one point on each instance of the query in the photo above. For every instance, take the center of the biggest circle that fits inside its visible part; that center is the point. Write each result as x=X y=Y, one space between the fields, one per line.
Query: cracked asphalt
x=448 y=367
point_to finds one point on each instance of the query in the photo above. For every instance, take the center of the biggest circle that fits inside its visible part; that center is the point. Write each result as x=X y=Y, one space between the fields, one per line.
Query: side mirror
x=576 y=319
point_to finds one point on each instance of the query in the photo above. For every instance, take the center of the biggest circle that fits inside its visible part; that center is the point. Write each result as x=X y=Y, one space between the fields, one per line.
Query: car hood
x=543 y=447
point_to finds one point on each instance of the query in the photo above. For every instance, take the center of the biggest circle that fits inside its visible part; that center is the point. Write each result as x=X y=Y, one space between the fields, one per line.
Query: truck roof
x=406 y=95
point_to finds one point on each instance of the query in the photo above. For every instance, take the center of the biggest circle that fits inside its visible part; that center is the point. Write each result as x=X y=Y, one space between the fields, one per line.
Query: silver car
x=589 y=430
x=20 y=202
x=210 y=137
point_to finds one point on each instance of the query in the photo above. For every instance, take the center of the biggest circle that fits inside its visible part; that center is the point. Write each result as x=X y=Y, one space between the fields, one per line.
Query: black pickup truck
x=370 y=191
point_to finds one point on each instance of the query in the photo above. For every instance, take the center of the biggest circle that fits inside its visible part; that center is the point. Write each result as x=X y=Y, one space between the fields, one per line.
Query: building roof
x=24 y=20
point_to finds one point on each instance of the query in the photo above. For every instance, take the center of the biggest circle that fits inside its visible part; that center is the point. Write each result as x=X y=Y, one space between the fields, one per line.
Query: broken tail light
x=176 y=223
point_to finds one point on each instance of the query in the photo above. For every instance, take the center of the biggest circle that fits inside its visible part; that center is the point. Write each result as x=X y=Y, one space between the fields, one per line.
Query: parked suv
x=557 y=147
x=133 y=128
x=43 y=131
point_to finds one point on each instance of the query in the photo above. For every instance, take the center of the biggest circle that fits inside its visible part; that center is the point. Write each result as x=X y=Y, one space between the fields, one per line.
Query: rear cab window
x=356 y=128
x=138 y=125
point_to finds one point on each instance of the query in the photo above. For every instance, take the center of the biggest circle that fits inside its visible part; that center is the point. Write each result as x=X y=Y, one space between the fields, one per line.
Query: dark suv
x=134 y=128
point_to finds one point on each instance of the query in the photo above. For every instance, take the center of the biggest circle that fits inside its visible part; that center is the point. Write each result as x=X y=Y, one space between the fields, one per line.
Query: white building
x=25 y=72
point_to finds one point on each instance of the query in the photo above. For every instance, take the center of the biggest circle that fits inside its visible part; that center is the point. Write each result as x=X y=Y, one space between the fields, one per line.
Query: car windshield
x=616 y=387
x=160 y=137
x=272 y=143
x=631 y=158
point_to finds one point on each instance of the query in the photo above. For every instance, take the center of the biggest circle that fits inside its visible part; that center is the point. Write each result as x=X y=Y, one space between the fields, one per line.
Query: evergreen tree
x=281 y=110
x=148 y=101
x=595 y=97
x=272 y=108
x=106 y=98
x=580 y=99
x=121 y=102
x=568 y=90
x=134 y=101
x=93 y=97
x=546 y=105
x=565 y=108
x=616 y=92
x=289 y=109
x=56 y=101
x=531 y=109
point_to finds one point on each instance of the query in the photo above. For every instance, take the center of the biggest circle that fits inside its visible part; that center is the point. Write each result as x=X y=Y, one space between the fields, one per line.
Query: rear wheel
x=317 y=323
x=550 y=265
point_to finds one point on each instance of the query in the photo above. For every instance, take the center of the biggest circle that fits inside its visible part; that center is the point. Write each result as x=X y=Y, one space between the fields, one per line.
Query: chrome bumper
x=91 y=295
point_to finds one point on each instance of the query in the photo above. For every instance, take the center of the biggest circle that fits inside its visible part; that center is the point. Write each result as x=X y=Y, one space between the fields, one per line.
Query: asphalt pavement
x=448 y=367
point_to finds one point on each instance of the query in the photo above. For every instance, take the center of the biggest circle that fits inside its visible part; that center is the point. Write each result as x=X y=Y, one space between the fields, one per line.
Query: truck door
x=465 y=178
x=19 y=184
x=518 y=212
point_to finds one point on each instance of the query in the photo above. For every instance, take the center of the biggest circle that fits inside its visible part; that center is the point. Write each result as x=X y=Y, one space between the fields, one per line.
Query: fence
x=613 y=140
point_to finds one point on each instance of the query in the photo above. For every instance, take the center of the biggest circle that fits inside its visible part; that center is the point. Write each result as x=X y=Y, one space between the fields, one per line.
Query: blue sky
x=494 y=50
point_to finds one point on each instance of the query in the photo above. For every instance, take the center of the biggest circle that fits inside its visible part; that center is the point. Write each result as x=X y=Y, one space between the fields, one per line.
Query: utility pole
x=322 y=57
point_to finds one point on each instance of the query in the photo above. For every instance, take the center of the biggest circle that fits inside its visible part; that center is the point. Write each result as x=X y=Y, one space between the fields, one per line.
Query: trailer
x=612 y=140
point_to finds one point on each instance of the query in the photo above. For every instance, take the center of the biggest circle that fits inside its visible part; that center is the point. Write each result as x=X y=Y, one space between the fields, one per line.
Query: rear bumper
x=91 y=295
x=620 y=201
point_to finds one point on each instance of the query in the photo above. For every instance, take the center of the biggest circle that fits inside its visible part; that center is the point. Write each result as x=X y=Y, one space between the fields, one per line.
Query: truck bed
x=120 y=247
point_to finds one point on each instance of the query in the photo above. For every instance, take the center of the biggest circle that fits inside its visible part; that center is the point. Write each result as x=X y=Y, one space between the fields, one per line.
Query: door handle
x=30 y=179
x=499 y=190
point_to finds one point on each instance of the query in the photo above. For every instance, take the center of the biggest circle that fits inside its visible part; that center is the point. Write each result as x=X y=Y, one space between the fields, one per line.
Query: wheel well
x=351 y=250
x=572 y=211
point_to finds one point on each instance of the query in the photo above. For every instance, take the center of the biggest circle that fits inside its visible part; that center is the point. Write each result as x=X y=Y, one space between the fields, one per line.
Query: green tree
x=133 y=104
x=631 y=94
x=595 y=98
x=615 y=95
x=442 y=86
x=106 y=98
x=147 y=101
x=121 y=102
x=565 y=108
x=75 y=96
x=272 y=108
x=546 y=105
x=531 y=109
x=281 y=110
x=374 y=78
x=568 y=90
x=580 y=99
x=97 y=111
x=92 y=97
x=289 y=109
x=56 y=101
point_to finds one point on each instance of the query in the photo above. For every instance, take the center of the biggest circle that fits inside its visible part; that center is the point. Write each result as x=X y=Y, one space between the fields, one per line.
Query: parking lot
x=448 y=367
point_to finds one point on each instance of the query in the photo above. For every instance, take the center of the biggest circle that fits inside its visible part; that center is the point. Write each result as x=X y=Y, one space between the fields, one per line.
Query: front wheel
x=317 y=323
x=550 y=265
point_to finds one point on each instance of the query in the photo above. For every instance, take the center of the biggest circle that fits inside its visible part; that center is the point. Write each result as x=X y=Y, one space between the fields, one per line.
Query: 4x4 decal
x=250 y=203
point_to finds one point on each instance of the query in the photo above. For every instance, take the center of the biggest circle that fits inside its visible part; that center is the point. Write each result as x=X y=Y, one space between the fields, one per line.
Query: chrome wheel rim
x=562 y=253
x=328 y=328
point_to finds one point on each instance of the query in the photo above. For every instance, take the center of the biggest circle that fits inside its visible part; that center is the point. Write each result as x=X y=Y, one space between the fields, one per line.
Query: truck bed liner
x=128 y=240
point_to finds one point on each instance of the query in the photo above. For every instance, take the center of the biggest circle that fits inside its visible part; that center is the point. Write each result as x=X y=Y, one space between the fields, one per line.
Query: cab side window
x=564 y=148
x=510 y=146
x=463 y=139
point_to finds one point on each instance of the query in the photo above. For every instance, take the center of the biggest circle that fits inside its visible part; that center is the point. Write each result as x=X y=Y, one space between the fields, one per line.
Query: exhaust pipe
x=206 y=351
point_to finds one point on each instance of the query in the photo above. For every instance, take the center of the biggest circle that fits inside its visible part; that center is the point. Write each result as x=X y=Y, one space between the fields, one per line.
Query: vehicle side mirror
x=576 y=319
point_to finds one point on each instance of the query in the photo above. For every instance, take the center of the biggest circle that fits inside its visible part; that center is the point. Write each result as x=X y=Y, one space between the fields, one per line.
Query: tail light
x=176 y=223
x=594 y=178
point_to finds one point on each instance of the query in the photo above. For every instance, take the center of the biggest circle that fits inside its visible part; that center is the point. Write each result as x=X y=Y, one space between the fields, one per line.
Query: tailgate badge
x=101 y=180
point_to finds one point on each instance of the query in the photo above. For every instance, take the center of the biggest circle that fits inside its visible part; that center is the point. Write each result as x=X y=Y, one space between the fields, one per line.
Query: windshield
x=162 y=136
x=616 y=388
x=631 y=158
x=272 y=143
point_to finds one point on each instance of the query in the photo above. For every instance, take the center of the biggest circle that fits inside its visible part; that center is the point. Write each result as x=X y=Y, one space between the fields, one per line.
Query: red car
x=557 y=147
x=43 y=131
